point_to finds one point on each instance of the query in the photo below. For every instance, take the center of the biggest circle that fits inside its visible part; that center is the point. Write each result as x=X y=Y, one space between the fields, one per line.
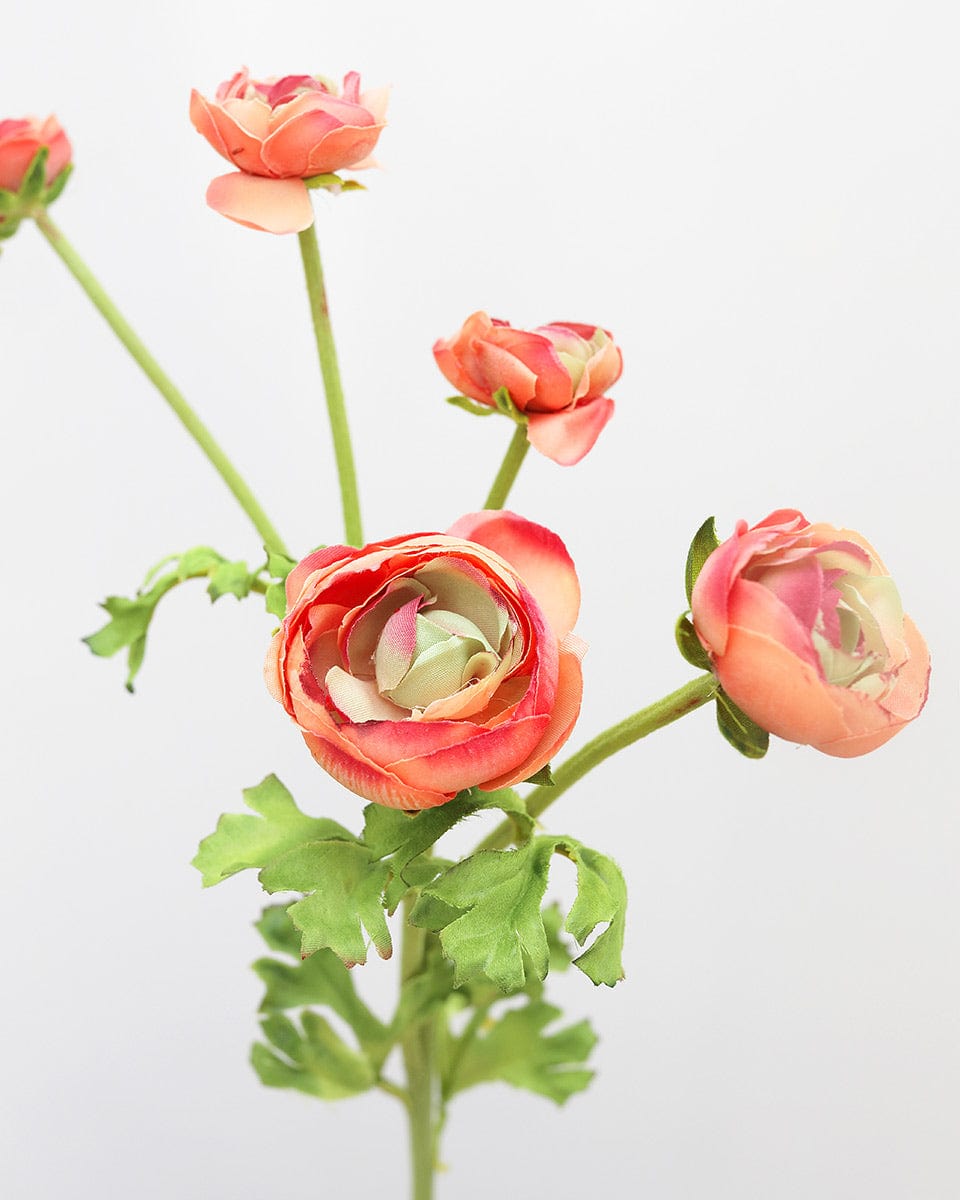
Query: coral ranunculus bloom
x=278 y=132
x=20 y=139
x=806 y=633
x=423 y=665
x=556 y=375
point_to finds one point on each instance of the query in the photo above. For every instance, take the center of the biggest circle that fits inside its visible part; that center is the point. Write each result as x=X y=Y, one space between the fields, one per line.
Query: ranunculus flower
x=556 y=375
x=423 y=665
x=279 y=132
x=806 y=633
x=20 y=139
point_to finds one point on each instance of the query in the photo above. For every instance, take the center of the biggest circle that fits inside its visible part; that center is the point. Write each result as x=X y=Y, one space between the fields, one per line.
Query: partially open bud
x=34 y=166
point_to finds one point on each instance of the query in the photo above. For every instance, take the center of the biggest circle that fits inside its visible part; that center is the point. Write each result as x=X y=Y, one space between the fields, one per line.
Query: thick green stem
x=423 y=1090
x=509 y=468
x=323 y=332
x=684 y=700
x=151 y=368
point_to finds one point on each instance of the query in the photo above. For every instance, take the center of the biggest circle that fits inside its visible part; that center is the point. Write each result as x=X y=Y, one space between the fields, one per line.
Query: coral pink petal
x=452 y=368
x=537 y=555
x=346 y=147
x=565 y=437
x=499 y=368
x=316 y=561
x=242 y=146
x=563 y=717
x=287 y=150
x=201 y=117
x=753 y=606
x=778 y=691
x=271 y=205
x=368 y=780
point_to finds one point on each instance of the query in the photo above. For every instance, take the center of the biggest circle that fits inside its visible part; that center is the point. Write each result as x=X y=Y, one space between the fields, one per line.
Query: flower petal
x=565 y=437
x=270 y=205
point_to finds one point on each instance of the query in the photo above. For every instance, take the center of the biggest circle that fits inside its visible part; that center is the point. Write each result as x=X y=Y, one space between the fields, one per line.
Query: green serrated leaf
x=689 y=644
x=317 y=1061
x=705 y=541
x=242 y=842
x=200 y=560
x=231 y=578
x=129 y=621
x=279 y=565
x=57 y=185
x=345 y=887
x=741 y=732
x=601 y=897
x=471 y=406
x=517 y=1050
x=277 y=930
x=32 y=187
x=276 y=599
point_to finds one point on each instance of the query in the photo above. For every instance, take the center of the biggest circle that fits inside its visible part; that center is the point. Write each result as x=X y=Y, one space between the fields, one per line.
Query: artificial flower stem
x=151 y=368
x=509 y=468
x=419 y=1061
x=330 y=370
x=663 y=712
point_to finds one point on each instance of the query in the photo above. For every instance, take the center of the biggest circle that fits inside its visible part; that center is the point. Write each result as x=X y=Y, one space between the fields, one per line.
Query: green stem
x=419 y=1061
x=323 y=332
x=509 y=468
x=684 y=700
x=151 y=368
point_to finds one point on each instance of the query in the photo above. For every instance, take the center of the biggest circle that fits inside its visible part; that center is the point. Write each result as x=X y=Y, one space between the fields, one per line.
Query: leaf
x=230 y=578
x=705 y=541
x=516 y=1049
x=315 y=1061
x=279 y=566
x=277 y=930
x=345 y=887
x=487 y=910
x=543 y=777
x=200 y=560
x=128 y=625
x=689 y=644
x=242 y=842
x=741 y=732
x=471 y=406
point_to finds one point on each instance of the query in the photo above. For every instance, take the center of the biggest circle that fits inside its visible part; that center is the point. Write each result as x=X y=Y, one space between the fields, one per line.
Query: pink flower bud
x=19 y=142
x=556 y=376
x=423 y=665
x=806 y=633
x=280 y=131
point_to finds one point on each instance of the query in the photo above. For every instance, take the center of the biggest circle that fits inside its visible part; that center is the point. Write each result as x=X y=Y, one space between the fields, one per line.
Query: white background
x=760 y=200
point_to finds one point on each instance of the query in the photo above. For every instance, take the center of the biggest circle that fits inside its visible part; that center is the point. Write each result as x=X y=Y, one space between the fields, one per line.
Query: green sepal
x=333 y=183
x=471 y=406
x=8 y=202
x=504 y=402
x=57 y=184
x=32 y=188
x=315 y=1061
x=487 y=910
x=705 y=541
x=741 y=732
x=689 y=644
x=542 y=778
x=517 y=1050
x=279 y=567
x=242 y=842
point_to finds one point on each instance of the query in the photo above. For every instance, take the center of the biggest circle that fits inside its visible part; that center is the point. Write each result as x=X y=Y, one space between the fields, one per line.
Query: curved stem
x=509 y=468
x=419 y=1060
x=662 y=712
x=151 y=368
x=329 y=369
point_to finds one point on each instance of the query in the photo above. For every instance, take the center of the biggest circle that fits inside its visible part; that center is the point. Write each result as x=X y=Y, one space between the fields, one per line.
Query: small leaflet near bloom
x=556 y=376
x=804 y=628
x=279 y=132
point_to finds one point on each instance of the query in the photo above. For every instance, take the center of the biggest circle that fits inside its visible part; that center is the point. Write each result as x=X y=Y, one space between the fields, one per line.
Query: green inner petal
x=436 y=673
x=455 y=592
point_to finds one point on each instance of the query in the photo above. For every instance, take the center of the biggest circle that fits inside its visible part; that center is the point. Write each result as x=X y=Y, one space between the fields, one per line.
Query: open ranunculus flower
x=556 y=375
x=807 y=635
x=423 y=665
x=278 y=132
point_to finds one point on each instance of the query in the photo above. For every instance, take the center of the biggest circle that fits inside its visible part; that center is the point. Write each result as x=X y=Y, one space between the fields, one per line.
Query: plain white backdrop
x=760 y=200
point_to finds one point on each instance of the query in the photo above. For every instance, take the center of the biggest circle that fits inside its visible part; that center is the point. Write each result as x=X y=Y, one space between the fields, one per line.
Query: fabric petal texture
x=421 y=666
x=270 y=205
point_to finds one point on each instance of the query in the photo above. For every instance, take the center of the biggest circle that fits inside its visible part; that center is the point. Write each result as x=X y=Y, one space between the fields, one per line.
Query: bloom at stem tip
x=556 y=375
x=806 y=633
x=280 y=131
x=423 y=665
x=22 y=139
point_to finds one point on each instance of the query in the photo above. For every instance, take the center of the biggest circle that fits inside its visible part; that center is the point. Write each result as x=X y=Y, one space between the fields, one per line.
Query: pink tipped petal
x=499 y=368
x=286 y=152
x=375 y=100
x=368 y=780
x=566 y=437
x=537 y=555
x=270 y=205
x=316 y=561
x=346 y=147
